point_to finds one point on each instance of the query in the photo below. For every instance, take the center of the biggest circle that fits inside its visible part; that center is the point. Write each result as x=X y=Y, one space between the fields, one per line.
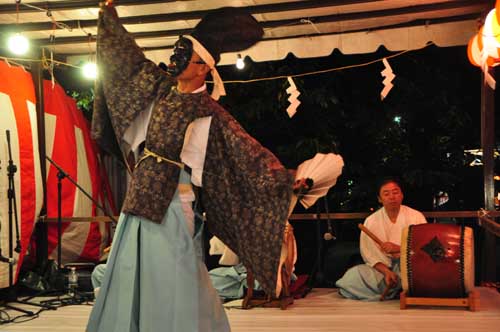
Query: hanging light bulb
x=89 y=70
x=18 y=44
x=240 y=64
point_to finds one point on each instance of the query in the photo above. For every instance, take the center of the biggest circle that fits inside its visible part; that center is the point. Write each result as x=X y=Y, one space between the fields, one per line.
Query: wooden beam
x=478 y=6
x=490 y=225
x=172 y=33
x=315 y=216
x=488 y=240
x=81 y=219
x=68 y=5
x=40 y=227
x=362 y=215
x=84 y=4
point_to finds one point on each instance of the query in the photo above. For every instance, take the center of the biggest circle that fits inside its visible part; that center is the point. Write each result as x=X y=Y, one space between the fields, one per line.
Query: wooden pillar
x=41 y=232
x=488 y=240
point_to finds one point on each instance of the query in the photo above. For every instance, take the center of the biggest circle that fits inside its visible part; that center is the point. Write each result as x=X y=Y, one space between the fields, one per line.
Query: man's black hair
x=388 y=179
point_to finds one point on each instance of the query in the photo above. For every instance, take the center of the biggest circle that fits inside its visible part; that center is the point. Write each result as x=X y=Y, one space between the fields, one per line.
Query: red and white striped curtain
x=69 y=145
x=18 y=115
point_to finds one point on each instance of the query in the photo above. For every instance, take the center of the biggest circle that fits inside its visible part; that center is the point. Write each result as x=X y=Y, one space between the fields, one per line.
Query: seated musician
x=380 y=275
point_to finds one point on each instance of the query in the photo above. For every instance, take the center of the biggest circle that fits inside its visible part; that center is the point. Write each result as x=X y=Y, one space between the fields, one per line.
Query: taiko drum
x=437 y=260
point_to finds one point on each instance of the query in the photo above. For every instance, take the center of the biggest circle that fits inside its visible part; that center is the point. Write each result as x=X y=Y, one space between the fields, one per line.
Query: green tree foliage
x=84 y=101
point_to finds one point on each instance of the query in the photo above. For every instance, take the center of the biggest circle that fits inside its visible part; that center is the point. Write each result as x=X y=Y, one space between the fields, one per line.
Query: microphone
x=11 y=261
x=329 y=236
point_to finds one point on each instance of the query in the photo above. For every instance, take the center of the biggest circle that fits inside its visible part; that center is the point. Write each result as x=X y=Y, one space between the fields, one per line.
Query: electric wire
x=317 y=72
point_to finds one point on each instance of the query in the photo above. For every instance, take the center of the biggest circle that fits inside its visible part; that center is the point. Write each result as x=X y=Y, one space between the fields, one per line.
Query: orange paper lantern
x=488 y=41
x=473 y=52
x=495 y=24
x=497 y=7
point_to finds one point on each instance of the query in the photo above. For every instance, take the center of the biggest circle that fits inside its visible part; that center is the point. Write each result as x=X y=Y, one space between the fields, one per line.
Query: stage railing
x=363 y=215
x=79 y=219
x=297 y=217
x=487 y=223
x=481 y=218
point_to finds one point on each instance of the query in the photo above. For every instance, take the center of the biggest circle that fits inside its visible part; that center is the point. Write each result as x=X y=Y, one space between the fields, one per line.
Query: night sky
x=418 y=132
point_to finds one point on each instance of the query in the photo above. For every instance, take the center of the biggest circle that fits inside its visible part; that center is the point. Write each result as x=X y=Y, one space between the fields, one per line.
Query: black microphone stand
x=317 y=275
x=11 y=194
x=61 y=174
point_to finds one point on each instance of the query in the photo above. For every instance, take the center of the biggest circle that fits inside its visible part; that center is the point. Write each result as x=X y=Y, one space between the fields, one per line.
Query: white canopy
x=306 y=28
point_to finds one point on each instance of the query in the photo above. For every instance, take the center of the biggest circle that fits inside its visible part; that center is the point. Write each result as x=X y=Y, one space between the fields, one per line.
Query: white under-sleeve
x=194 y=149
x=136 y=133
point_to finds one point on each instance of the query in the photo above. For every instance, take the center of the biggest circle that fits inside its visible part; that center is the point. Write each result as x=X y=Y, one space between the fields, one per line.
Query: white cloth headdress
x=209 y=60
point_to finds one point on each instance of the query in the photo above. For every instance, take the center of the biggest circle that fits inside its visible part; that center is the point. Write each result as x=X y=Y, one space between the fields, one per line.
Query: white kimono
x=380 y=225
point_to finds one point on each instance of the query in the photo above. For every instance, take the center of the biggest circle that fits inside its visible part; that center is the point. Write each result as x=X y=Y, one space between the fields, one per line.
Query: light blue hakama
x=155 y=280
x=363 y=282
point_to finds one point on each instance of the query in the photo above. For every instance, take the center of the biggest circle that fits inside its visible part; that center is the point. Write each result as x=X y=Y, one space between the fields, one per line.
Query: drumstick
x=370 y=234
x=373 y=237
x=386 y=290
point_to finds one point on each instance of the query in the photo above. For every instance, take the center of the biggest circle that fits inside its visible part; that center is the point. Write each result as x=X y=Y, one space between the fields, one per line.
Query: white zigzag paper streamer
x=490 y=80
x=389 y=76
x=294 y=94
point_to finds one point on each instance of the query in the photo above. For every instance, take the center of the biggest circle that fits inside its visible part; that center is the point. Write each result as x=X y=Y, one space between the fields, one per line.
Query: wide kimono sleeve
x=246 y=194
x=128 y=82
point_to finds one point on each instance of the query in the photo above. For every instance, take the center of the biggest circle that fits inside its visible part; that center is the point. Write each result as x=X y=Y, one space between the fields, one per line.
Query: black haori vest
x=154 y=180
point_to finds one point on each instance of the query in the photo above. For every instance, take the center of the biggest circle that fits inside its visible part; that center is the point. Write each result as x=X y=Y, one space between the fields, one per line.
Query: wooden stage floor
x=322 y=310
